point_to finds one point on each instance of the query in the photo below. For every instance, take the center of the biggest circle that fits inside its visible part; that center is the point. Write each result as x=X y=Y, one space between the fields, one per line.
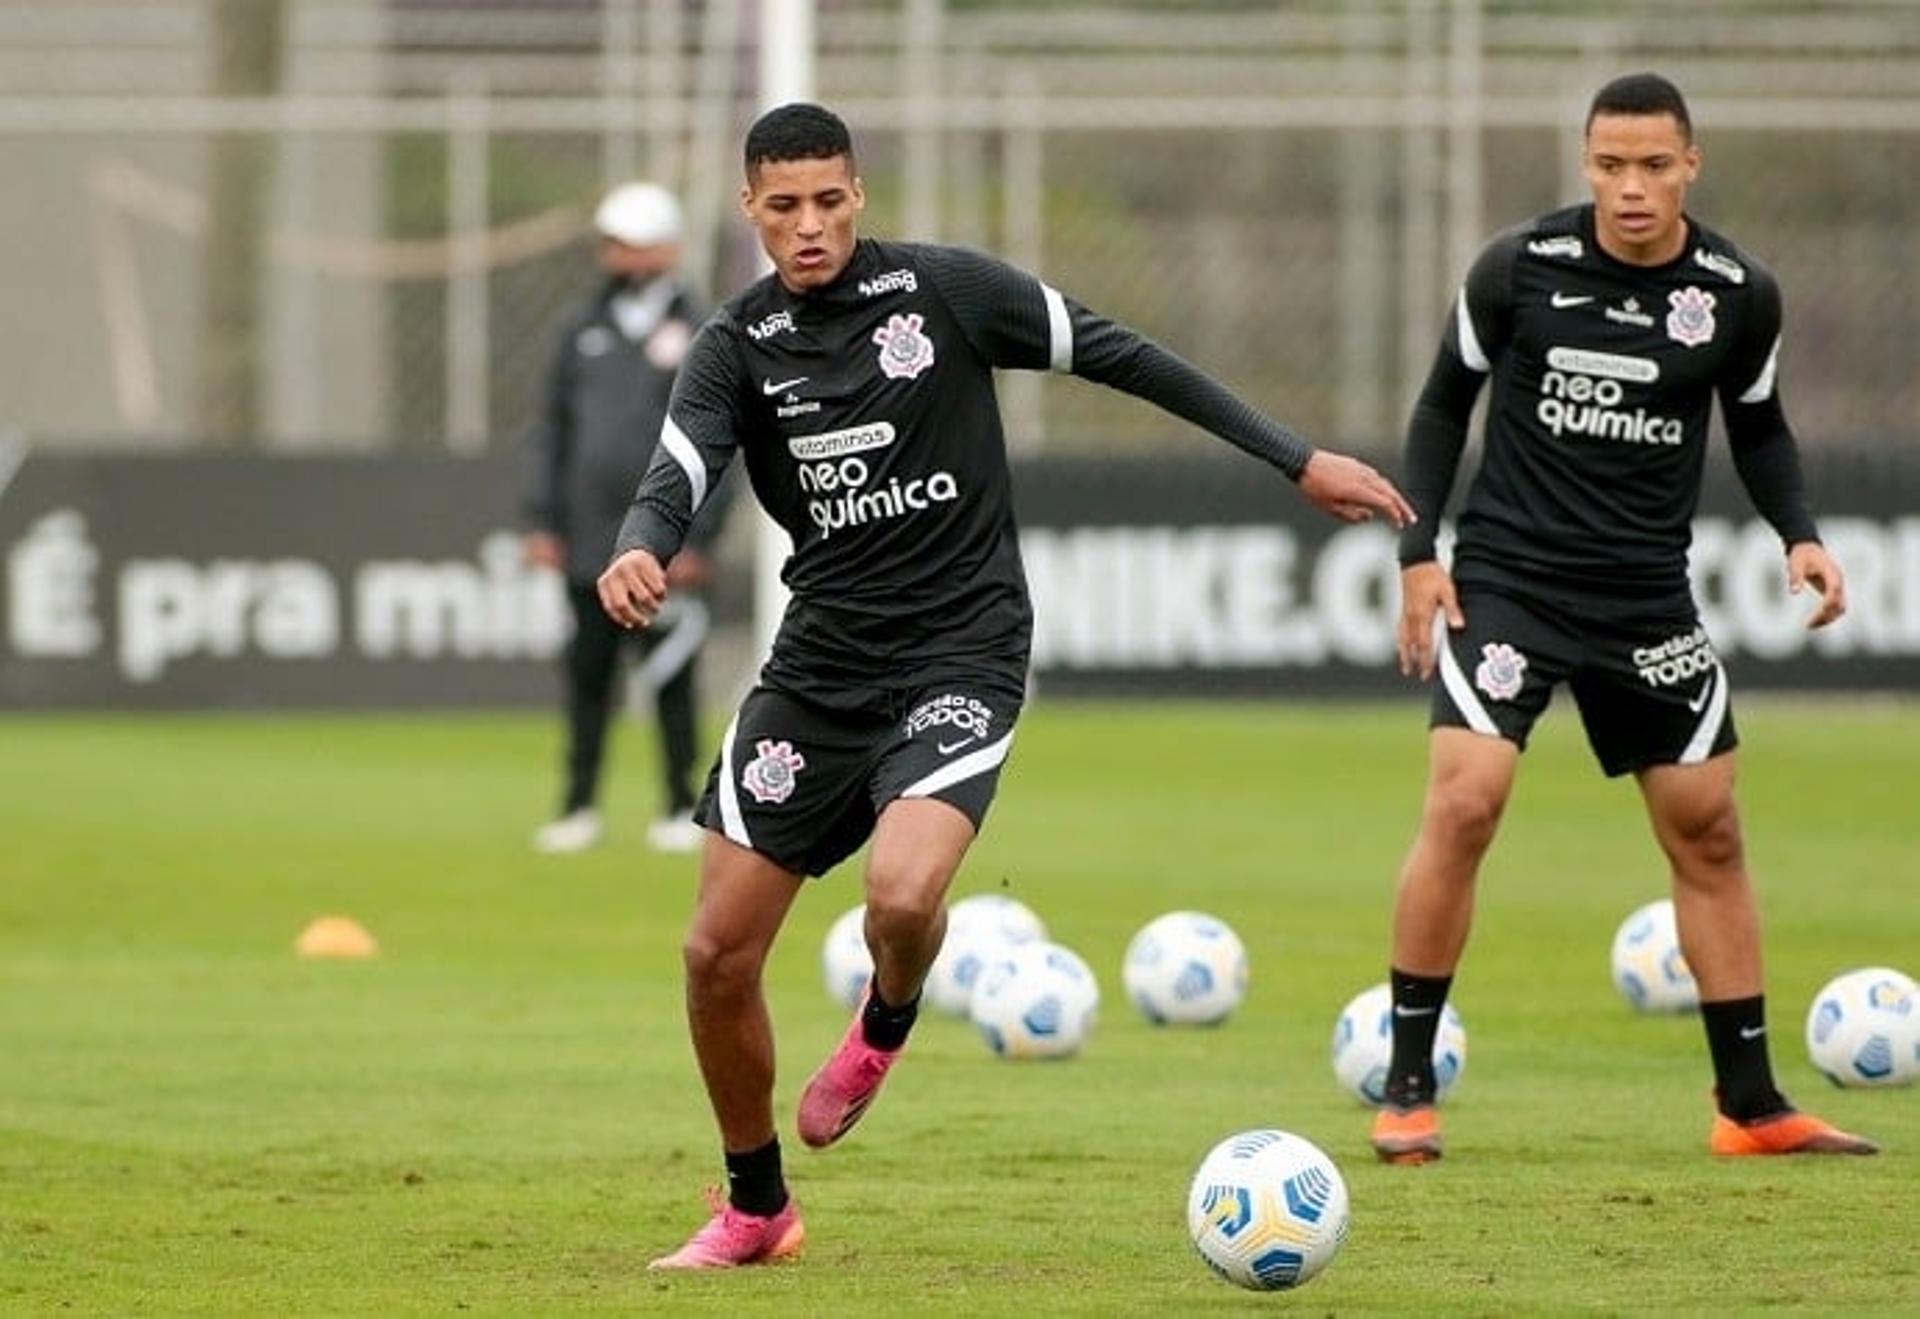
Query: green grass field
x=501 y=1112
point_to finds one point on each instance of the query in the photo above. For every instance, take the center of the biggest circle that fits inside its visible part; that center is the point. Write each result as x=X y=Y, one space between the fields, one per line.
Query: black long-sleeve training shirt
x=866 y=414
x=1603 y=381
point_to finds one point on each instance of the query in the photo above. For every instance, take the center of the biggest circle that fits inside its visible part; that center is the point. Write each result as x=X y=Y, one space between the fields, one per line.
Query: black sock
x=754 y=1183
x=885 y=1027
x=1417 y=1001
x=1742 y=1072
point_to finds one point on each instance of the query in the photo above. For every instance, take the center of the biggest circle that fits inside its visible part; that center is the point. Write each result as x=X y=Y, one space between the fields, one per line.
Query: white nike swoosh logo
x=1752 y=1032
x=1400 y=1011
x=1700 y=701
x=772 y=387
x=948 y=748
x=1570 y=299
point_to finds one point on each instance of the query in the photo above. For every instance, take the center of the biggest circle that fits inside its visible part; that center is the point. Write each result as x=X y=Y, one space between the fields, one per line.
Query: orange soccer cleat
x=1784 y=1133
x=1407 y=1135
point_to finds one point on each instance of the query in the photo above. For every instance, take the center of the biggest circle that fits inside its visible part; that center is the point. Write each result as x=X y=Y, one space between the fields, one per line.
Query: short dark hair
x=798 y=131
x=1641 y=94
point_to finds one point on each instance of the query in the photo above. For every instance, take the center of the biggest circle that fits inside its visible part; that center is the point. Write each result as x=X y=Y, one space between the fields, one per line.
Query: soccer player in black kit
x=1606 y=330
x=856 y=382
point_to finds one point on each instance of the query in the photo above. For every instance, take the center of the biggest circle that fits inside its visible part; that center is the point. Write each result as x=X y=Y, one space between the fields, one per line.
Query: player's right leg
x=743 y=899
x=1496 y=676
x=1469 y=779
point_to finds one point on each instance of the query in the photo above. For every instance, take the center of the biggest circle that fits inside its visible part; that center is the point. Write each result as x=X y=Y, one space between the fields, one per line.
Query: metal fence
x=349 y=224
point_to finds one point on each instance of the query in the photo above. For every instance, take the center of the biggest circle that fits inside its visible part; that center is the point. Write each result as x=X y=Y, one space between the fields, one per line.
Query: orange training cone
x=336 y=936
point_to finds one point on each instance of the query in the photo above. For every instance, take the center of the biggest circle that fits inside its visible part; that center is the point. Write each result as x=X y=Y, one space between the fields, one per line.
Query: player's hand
x=1353 y=491
x=1425 y=590
x=1808 y=563
x=690 y=570
x=633 y=588
x=543 y=549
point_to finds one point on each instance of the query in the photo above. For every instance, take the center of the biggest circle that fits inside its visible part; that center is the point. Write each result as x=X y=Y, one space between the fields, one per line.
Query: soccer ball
x=1648 y=967
x=1186 y=969
x=1035 y=1000
x=1363 y=1046
x=977 y=927
x=1267 y=1210
x=1864 y=1028
x=844 y=958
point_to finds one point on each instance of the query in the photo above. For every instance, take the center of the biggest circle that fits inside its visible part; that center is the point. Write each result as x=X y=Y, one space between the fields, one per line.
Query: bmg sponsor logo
x=769 y=326
x=894 y=281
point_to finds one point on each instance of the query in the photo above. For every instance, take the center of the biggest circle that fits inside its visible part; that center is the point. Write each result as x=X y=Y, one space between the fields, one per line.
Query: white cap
x=639 y=215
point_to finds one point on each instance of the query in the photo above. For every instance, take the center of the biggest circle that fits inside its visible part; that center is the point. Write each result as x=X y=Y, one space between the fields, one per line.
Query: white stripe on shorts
x=1457 y=685
x=966 y=767
x=730 y=819
x=1703 y=736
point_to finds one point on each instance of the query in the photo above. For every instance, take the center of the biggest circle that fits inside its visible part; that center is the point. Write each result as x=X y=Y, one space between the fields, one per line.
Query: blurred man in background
x=1607 y=329
x=606 y=397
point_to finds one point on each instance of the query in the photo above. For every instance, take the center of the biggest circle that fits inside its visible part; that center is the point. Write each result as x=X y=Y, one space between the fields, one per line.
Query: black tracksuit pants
x=593 y=674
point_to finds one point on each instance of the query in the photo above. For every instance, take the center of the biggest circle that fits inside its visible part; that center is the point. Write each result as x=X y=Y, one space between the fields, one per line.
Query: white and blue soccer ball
x=1267 y=1210
x=1649 y=969
x=1035 y=1000
x=977 y=928
x=1185 y=969
x=1363 y=1046
x=1864 y=1028
x=844 y=959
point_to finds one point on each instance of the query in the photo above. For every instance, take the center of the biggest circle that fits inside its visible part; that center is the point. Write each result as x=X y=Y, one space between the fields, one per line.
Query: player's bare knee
x=1708 y=838
x=1462 y=817
x=719 y=969
x=900 y=913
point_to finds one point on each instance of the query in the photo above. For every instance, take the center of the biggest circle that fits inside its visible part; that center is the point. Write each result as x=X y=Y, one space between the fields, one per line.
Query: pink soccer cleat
x=732 y=1238
x=840 y=1091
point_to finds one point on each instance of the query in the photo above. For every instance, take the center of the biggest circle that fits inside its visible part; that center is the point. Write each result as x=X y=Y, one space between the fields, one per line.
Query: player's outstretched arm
x=1014 y=320
x=633 y=588
x=1809 y=564
x=1426 y=589
x=1352 y=491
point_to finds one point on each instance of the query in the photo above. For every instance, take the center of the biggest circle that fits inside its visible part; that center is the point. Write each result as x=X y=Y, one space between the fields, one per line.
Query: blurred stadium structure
x=347 y=225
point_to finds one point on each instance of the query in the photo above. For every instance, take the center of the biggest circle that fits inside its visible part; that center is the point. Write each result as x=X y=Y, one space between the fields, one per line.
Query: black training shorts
x=1650 y=688
x=802 y=782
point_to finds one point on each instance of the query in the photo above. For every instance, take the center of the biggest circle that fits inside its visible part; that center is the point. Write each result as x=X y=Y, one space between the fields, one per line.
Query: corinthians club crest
x=1500 y=671
x=770 y=775
x=1690 y=322
x=904 y=350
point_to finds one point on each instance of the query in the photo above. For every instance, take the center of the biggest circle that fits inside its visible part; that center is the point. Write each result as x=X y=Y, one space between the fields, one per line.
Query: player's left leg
x=1697 y=823
x=917 y=848
x=936 y=781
